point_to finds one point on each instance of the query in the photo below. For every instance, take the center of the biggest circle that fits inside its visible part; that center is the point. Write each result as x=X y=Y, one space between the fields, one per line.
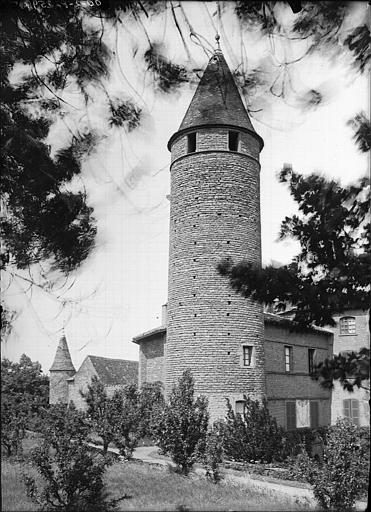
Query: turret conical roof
x=62 y=360
x=217 y=100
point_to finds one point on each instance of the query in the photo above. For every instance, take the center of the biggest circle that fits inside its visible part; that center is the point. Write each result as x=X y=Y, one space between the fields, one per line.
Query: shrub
x=151 y=404
x=214 y=452
x=73 y=475
x=13 y=425
x=253 y=436
x=126 y=404
x=294 y=440
x=101 y=412
x=341 y=479
x=182 y=426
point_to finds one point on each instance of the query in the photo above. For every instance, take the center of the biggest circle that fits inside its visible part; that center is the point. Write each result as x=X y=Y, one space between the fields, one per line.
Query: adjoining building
x=66 y=383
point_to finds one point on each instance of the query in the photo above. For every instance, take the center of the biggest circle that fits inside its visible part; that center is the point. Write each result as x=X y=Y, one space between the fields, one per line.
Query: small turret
x=61 y=370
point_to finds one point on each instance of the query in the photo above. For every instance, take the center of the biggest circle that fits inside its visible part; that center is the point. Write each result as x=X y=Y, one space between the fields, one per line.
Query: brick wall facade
x=214 y=213
x=353 y=342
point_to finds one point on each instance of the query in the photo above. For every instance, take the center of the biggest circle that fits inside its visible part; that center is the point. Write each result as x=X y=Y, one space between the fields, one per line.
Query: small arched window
x=347 y=325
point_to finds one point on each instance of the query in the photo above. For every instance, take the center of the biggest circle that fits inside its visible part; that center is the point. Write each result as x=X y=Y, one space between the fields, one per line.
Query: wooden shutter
x=290 y=415
x=355 y=411
x=314 y=414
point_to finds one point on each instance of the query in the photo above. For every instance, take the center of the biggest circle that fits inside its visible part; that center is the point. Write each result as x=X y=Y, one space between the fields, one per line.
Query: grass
x=151 y=488
x=156 y=489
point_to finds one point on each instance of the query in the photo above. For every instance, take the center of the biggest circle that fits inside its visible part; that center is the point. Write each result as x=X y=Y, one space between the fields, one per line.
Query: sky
x=118 y=292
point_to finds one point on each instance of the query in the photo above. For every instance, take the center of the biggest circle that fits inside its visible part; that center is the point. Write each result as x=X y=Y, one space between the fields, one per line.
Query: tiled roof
x=217 y=99
x=272 y=318
x=269 y=318
x=148 y=334
x=115 y=372
x=62 y=360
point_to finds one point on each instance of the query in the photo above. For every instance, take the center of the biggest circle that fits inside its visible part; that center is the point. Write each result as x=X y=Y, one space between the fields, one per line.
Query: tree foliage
x=101 y=412
x=182 y=426
x=253 y=435
x=56 y=59
x=72 y=475
x=342 y=478
x=331 y=273
x=127 y=423
x=24 y=394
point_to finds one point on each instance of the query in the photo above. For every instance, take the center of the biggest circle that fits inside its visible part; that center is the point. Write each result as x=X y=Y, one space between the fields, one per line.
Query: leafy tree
x=102 y=412
x=182 y=427
x=151 y=403
x=214 y=454
x=25 y=392
x=342 y=478
x=333 y=270
x=13 y=424
x=253 y=435
x=128 y=418
x=62 y=52
x=73 y=476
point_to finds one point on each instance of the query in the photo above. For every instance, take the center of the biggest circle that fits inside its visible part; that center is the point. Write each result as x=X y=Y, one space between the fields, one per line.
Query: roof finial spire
x=217 y=37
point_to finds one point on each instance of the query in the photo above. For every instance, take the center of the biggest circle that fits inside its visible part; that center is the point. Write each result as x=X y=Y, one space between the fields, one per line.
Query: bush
x=126 y=404
x=13 y=425
x=151 y=404
x=214 y=453
x=101 y=412
x=253 y=436
x=73 y=475
x=182 y=426
x=341 y=479
x=294 y=440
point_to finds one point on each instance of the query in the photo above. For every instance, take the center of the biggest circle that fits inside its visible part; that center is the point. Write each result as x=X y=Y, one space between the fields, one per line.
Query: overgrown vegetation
x=253 y=435
x=182 y=426
x=342 y=478
x=72 y=475
x=24 y=394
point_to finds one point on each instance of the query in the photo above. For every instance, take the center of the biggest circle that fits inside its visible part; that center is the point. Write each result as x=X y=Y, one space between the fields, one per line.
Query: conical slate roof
x=62 y=360
x=217 y=99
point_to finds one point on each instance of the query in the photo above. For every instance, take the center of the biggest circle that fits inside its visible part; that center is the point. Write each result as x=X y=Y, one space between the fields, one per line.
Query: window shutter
x=355 y=412
x=314 y=414
x=290 y=415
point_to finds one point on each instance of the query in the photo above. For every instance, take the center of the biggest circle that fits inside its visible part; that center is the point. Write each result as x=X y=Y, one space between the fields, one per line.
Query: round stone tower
x=61 y=370
x=214 y=214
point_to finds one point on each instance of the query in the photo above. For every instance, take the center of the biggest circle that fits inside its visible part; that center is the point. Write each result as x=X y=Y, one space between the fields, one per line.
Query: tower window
x=288 y=359
x=191 y=142
x=247 y=355
x=348 y=325
x=233 y=139
x=311 y=355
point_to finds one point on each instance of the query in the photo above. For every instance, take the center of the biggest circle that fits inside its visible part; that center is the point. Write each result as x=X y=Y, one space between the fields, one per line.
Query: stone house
x=66 y=383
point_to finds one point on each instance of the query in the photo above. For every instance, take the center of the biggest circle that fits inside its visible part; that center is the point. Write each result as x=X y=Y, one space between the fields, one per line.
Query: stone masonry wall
x=151 y=360
x=80 y=383
x=58 y=388
x=215 y=213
